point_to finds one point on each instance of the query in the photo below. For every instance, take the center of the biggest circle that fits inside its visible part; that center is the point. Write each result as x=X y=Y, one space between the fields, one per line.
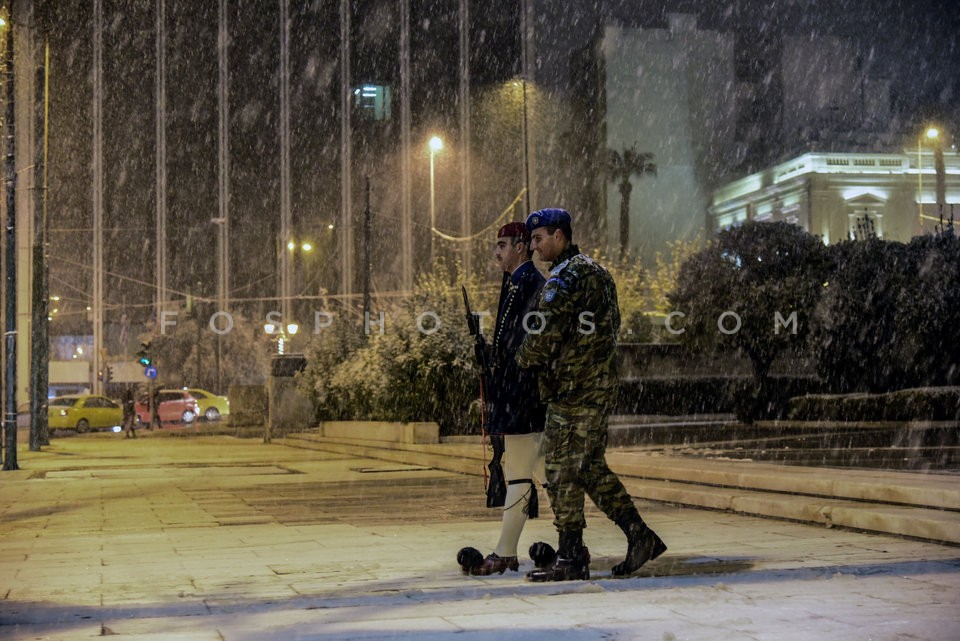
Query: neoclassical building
x=832 y=195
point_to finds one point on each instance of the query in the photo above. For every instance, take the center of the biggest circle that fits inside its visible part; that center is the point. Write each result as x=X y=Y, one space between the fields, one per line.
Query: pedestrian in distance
x=129 y=414
x=516 y=414
x=155 y=409
x=575 y=354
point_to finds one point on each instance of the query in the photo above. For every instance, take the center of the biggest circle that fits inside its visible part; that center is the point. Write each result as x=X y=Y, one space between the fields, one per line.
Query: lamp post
x=223 y=287
x=294 y=280
x=932 y=134
x=436 y=144
x=282 y=333
x=10 y=266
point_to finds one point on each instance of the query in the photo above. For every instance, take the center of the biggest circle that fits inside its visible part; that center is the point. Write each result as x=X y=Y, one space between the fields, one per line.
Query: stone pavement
x=214 y=537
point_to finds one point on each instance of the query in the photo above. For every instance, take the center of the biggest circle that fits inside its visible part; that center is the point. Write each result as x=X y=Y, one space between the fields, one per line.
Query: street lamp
x=932 y=134
x=296 y=248
x=278 y=330
x=436 y=144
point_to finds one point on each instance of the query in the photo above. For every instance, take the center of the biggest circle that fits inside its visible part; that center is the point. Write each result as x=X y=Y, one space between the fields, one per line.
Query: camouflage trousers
x=575 y=445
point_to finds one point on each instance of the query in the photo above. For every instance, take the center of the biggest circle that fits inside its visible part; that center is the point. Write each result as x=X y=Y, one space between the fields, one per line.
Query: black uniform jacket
x=515 y=406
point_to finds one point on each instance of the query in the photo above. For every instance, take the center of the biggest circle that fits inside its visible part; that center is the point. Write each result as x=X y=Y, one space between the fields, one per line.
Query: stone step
x=915 y=522
x=940 y=491
x=921 y=506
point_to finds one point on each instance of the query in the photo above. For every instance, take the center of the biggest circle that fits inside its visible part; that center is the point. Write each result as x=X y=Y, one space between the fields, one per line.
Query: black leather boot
x=572 y=563
x=494 y=563
x=643 y=545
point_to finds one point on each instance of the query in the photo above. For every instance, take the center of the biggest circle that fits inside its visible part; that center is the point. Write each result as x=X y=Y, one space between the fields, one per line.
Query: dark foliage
x=688 y=395
x=770 y=276
x=888 y=319
x=929 y=404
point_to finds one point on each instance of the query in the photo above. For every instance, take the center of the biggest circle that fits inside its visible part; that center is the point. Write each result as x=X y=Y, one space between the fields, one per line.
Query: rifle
x=496 y=485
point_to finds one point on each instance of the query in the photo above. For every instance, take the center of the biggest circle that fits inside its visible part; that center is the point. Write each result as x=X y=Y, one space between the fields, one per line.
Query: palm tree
x=621 y=167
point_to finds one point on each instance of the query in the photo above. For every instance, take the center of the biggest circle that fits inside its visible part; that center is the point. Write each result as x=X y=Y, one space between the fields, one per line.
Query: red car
x=174 y=405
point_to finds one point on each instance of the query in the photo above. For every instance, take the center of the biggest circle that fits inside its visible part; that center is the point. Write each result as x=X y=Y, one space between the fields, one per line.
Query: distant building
x=669 y=91
x=709 y=107
x=834 y=195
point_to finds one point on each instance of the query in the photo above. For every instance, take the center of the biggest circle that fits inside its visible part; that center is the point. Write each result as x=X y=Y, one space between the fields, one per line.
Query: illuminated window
x=373 y=101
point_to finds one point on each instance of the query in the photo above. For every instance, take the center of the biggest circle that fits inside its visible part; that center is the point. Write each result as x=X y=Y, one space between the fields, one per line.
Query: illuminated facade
x=832 y=195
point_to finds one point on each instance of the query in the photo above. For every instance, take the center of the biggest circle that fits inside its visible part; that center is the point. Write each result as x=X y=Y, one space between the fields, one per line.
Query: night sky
x=916 y=45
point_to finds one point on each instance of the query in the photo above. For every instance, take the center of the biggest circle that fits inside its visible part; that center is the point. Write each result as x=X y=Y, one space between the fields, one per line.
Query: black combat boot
x=643 y=544
x=572 y=563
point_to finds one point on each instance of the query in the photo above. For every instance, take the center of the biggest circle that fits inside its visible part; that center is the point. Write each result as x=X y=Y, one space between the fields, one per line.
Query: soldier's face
x=547 y=246
x=509 y=253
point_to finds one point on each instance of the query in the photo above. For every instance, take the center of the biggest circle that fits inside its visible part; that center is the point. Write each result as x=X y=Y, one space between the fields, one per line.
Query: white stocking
x=522 y=459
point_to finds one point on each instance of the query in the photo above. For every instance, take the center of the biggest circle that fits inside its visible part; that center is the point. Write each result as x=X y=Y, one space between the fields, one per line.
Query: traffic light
x=108 y=375
x=144 y=355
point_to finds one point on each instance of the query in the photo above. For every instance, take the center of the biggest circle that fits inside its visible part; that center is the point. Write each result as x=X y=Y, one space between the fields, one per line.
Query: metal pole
x=433 y=210
x=465 y=230
x=346 y=176
x=919 y=183
x=223 y=289
x=223 y=185
x=941 y=175
x=406 y=181
x=10 y=288
x=286 y=258
x=161 y=156
x=40 y=329
x=526 y=44
x=367 y=264
x=97 y=302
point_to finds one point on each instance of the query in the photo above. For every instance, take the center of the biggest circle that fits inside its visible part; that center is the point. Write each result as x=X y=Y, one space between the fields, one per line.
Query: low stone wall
x=418 y=433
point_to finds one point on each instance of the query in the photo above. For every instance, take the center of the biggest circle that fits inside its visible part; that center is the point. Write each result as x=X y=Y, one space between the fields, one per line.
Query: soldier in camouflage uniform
x=574 y=351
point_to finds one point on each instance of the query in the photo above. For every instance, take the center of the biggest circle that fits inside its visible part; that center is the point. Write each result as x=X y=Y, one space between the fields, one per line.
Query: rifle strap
x=483 y=435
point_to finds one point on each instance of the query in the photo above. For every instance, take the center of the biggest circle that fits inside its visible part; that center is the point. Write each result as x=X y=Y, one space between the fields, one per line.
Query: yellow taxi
x=211 y=406
x=83 y=412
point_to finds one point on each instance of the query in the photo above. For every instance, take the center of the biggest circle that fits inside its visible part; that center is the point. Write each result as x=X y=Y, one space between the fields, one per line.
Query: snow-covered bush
x=419 y=366
x=754 y=289
x=889 y=316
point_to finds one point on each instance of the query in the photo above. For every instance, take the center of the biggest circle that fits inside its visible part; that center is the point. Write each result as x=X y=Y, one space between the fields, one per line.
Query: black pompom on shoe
x=469 y=558
x=543 y=554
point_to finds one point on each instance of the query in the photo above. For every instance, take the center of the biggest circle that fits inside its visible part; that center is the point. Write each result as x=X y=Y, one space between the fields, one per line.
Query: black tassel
x=533 y=506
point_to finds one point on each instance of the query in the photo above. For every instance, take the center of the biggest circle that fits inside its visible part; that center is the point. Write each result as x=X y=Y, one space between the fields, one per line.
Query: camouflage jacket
x=576 y=351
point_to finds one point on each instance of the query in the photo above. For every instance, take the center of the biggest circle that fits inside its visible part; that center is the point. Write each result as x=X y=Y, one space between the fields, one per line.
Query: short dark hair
x=563 y=227
x=516 y=240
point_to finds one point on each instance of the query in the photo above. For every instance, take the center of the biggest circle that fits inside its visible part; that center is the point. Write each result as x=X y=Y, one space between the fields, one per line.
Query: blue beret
x=548 y=218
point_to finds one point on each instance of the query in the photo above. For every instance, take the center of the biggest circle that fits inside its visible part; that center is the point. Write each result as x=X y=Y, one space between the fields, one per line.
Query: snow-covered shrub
x=419 y=366
x=889 y=316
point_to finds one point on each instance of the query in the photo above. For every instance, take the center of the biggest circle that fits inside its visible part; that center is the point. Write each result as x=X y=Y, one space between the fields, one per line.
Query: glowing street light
x=436 y=144
x=282 y=334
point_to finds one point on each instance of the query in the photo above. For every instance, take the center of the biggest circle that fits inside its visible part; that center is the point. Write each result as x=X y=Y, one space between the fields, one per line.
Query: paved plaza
x=227 y=539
